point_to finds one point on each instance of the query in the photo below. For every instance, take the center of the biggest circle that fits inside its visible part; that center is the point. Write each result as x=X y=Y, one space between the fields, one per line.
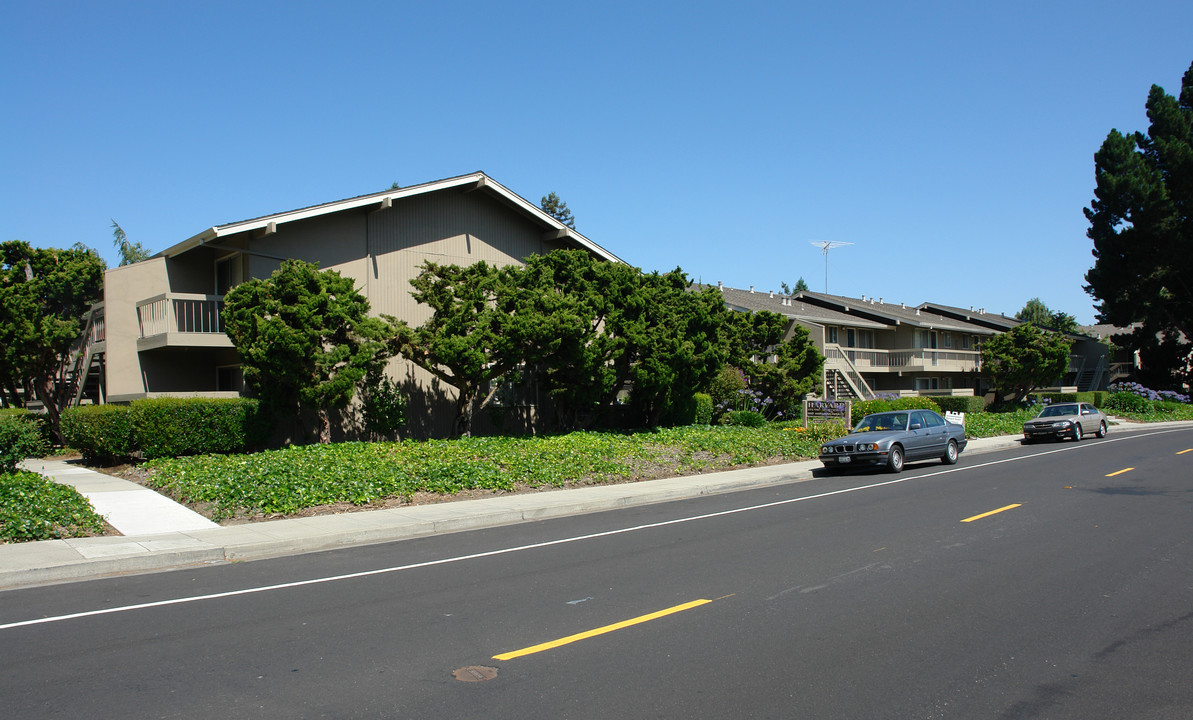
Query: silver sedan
x=1065 y=420
x=890 y=438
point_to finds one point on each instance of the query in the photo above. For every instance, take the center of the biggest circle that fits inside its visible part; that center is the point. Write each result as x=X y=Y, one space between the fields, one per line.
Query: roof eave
x=479 y=180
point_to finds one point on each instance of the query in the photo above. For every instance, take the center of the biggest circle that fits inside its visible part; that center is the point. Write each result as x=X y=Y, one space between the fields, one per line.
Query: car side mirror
x=916 y=426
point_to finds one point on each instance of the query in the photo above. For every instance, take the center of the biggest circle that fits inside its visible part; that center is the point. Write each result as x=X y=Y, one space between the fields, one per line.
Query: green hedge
x=1128 y=402
x=960 y=403
x=102 y=433
x=22 y=435
x=863 y=408
x=173 y=427
x=163 y=427
x=703 y=409
x=1096 y=397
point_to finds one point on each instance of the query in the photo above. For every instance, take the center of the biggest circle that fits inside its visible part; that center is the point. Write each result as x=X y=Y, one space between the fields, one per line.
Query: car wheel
x=1102 y=429
x=894 y=459
x=950 y=453
x=1028 y=441
x=1077 y=434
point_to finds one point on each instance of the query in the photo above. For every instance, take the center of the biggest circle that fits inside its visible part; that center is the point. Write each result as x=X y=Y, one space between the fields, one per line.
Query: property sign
x=957 y=418
x=826 y=411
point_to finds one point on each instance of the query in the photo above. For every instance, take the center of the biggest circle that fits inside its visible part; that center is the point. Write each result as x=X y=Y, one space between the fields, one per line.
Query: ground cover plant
x=295 y=479
x=34 y=508
x=286 y=481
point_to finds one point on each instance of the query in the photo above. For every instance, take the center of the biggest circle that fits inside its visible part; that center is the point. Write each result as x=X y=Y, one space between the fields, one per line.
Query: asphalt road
x=1029 y=583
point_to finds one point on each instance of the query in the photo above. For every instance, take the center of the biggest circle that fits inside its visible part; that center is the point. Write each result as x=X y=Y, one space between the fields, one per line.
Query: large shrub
x=163 y=427
x=172 y=427
x=1128 y=402
x=960 y=403
x=867 y=407
x=21 y=436
x=724 y=389
x=703 y=409
x=102 y=433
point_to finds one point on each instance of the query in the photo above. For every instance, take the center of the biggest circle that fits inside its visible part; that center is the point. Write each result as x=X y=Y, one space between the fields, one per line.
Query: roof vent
x=772 y=293
x=863 y=298
x=720 y=285
x=981 y=311
x=880 y=301
x=917 y=311
x=903 y=305
x=971 y=308
x=751 y=289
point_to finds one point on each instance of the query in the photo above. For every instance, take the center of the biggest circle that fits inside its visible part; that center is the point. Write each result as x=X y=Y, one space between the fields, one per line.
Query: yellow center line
x=992 y=512
x=1182 y=452
x=599 y=631
x=1120 y=472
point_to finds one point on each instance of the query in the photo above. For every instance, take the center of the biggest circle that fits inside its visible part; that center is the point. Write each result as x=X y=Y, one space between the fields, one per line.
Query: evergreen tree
x=1141 y=224
x=558 y=209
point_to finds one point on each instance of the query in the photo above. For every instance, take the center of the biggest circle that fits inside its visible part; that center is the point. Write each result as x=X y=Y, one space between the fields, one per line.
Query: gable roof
x=789 y=306
x=895 y=314
x=977 y=317
x=477 y=181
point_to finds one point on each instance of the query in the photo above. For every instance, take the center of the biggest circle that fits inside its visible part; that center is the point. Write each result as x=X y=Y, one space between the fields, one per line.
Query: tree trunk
x=44 y=389
x=324 y=426
x=462 y=427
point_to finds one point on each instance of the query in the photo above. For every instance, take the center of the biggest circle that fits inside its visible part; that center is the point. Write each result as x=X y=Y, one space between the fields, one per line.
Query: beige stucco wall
x=123 y=288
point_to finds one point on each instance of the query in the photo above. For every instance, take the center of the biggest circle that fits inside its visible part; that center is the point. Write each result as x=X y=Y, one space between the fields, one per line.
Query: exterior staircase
x=1090 y=375
x=85 y=372
x=842 y=381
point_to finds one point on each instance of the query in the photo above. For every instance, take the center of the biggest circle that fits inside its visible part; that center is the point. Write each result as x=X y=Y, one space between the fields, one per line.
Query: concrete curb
x=53 y=561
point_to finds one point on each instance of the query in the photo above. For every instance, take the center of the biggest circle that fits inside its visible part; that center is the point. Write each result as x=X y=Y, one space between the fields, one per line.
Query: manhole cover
x=475 y=673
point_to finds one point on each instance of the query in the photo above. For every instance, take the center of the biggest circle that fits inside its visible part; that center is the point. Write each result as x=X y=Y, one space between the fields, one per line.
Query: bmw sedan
x=1065 y=420
x=891 y=438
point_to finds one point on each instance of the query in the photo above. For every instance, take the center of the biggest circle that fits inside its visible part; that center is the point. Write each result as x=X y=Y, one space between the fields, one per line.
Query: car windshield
x=1059 y=411
x=882 y=422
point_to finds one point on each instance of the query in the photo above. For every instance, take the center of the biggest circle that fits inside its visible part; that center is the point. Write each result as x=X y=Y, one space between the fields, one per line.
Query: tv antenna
x=825 y=246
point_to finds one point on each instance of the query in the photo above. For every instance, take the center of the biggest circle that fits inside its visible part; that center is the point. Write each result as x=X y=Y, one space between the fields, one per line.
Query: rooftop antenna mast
x=825 y=246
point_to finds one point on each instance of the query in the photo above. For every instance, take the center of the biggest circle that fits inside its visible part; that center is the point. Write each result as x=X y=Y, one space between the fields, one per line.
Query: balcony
x=873 y=360
x=181 y=320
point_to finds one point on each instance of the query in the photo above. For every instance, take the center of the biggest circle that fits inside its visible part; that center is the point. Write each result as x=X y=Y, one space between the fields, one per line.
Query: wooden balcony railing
x=180 y=313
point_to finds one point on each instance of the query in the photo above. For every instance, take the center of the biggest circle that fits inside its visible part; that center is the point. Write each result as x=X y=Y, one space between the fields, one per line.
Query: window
x=865 y=338
x=832 y=335
x=948 y=340
x=851 y=338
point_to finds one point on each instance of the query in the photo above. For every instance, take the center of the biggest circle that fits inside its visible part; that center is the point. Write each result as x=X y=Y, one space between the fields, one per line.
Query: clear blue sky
x=951 y=142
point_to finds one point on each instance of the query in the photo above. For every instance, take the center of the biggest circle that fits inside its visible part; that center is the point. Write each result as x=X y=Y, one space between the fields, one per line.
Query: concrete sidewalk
x=161 y=534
